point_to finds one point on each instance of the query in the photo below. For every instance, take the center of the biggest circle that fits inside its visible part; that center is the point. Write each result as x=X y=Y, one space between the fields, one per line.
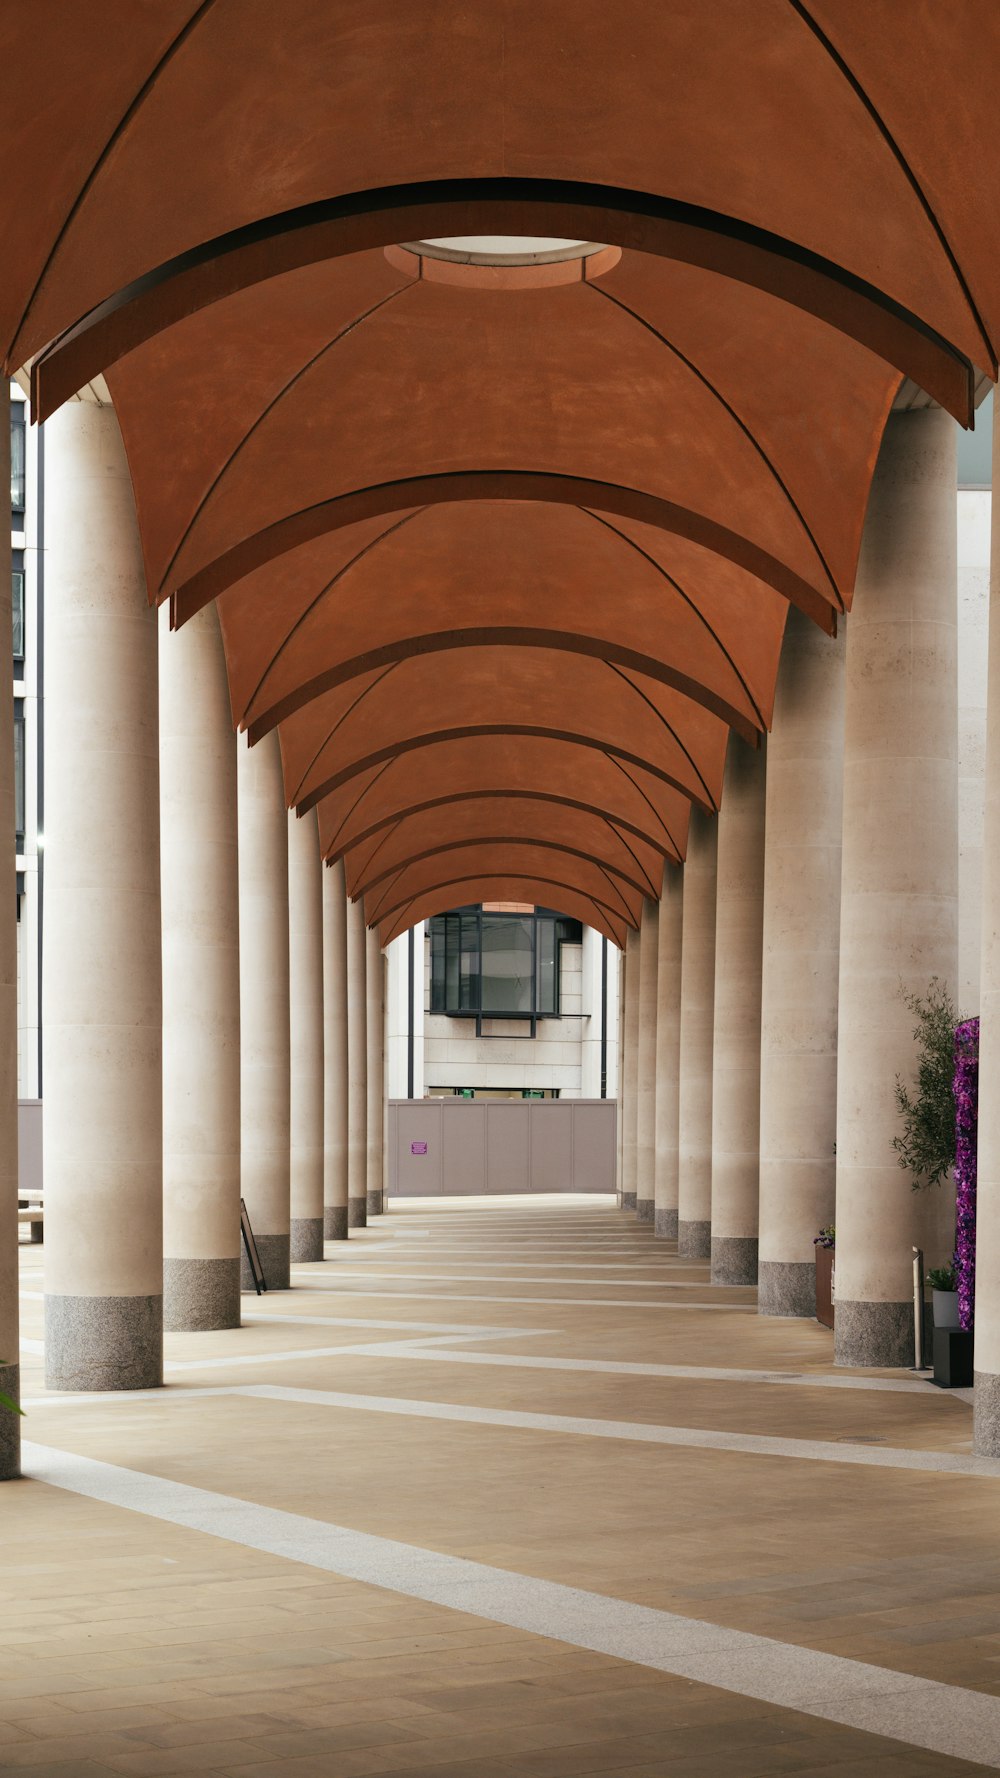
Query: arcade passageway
x=506 y=1488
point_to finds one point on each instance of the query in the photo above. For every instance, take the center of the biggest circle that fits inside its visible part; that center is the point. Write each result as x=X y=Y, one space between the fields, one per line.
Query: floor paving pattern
x=561 y=1533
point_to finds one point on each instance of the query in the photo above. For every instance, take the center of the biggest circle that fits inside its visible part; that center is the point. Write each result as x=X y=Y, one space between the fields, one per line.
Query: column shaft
x=739 y=928
x=264 y=1028
x=357 y=1068
x=798 y=1063
x=668 y=1039
x=305 y=1007
x=10 y=1425
x=645 y=1141
x=899 y=873
x=630 y=1071
x=987 y=1304
x=103 y=1130
x=375 y=1044
x=199 y=880
x=335 y=1087
x=694 y=1166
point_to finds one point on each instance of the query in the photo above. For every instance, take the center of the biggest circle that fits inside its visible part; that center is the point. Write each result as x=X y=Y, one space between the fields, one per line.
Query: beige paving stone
x=148 y=1648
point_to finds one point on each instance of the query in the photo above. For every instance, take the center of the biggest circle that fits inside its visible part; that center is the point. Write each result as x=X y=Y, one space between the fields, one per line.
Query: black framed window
x=17 y=608
x=18 y=457
x=19 y=772
x=498 y=965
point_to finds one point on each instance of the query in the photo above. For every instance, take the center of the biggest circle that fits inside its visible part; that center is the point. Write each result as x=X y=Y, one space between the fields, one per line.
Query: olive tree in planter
x=926 y=1148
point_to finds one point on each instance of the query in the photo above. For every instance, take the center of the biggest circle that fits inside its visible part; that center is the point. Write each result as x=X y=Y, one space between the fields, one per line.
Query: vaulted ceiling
x=503 y=551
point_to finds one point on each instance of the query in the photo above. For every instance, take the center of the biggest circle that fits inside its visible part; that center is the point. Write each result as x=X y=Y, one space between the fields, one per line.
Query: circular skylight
x=505 y=249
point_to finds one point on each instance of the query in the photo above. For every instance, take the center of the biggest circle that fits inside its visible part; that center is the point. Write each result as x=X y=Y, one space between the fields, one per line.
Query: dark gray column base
x=357 y=1213
x=734 y=1259
x=644 y=1208
x=665 y=1225
x=694 y=1240
x=335 y=1222
x=875 y=1334
x=306 y=1239
x=103 y=1342
x=274 y=1251
x=200 y=1295
x=787 y=1287
x=10 y=1424
x=986 y=1414
x=375 y=1204
x=628 y=1200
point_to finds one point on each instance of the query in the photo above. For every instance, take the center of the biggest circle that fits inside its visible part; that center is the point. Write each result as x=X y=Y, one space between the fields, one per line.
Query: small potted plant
x=825 y=1244
x=944 y=1295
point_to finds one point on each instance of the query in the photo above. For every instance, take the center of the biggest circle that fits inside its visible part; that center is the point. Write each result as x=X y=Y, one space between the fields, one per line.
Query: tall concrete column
x=357 y=1067
x=103 y=1124
x=375 y=1044
x=335 y=1088
x=620 y=1083
x=630 y=1070
x=899 y=916
x=645 y=1117
x=199 y=880
x=10 y=1434
x=668 y=1042
x=305 y=1006
x=987 y=1318
x=265 y=1063
x=798 y=1059
x=739 y=932
x=694 y=1138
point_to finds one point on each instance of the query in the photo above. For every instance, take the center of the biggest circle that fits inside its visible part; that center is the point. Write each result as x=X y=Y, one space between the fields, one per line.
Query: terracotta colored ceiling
x=502 y=554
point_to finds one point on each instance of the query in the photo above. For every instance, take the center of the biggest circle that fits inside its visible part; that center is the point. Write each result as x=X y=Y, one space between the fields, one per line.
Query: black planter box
x=952 y=1358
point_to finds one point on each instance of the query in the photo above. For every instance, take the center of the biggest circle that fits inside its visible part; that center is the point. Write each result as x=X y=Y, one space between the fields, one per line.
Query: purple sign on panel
x=418 y=1148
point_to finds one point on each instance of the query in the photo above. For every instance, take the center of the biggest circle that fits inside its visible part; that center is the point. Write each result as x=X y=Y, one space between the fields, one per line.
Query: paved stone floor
x=502 y=1488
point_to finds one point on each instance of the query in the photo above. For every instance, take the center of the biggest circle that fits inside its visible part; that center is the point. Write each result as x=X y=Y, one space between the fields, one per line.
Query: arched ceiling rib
x=781 y=140
x=496 y=821
x=523 y=691
x=482 y=767
x=544 y=891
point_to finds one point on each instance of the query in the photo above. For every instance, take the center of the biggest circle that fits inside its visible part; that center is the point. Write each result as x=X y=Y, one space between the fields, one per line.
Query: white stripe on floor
x=945 y=1719
x=347 y=1286
x=749 y=1444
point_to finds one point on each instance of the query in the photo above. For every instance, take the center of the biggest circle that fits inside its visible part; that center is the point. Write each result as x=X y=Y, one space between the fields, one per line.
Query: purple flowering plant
x=966 y=1091
x=827 y=1237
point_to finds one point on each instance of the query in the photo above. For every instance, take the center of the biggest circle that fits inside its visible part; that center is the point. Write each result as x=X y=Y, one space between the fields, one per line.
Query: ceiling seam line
x=302 y=371
x=738 y=420
x=844 y=67
x=134 y=106
x=688 y=600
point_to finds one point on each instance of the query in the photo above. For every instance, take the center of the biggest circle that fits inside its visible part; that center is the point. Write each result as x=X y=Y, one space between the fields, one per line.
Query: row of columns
x=765 y=1003
x=213 y=1005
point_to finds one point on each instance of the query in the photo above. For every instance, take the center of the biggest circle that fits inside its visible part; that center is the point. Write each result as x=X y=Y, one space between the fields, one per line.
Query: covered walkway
x=437 y=1511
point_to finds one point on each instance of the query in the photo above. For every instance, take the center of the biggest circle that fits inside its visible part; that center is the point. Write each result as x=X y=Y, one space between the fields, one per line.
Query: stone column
x=199 y=881
x=335 y=1088
x=898 y=925
x=305 y=1006
x=620 y=1085
x=798 y=1060
x=265 y=1067
x=357 y=1067
x=375 y=1045
x=10 y=1425
x=103 y=1124
x=694 y=1139
x=739 y=931
x=645 y=1116
x=630 y=1070
x=668 y=1039
x=987 y=1317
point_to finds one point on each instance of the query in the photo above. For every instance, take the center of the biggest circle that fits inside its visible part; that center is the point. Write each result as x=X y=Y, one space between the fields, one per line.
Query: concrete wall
x=439 y=1147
